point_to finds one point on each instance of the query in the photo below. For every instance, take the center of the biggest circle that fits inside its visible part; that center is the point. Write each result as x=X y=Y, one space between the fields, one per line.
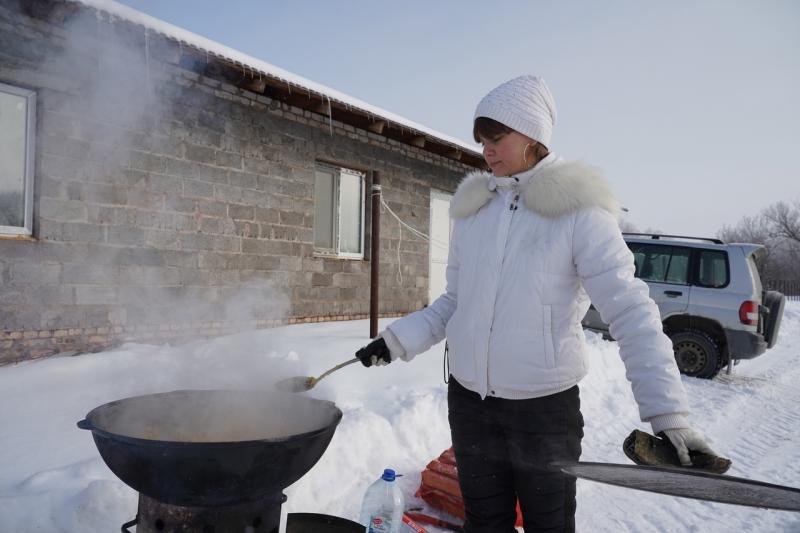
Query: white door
x=440 y=239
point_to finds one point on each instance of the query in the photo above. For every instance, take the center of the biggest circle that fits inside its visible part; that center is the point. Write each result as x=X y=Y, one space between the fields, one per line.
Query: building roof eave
x=280 y=84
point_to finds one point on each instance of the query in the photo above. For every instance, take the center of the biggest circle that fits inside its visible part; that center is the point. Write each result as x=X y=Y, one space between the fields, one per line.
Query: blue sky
x=690 y=108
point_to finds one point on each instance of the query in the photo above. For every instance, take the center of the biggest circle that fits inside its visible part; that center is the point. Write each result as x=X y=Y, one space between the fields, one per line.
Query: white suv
x=709 y=293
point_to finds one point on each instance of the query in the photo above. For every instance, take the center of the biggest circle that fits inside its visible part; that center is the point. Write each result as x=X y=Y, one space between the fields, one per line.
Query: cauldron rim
x=89 y=423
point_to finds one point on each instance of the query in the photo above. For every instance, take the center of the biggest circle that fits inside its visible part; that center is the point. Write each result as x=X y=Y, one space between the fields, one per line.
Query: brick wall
x=170 y=204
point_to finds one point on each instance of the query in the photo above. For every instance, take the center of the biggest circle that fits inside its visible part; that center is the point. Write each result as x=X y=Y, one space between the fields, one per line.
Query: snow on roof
x=220 y=50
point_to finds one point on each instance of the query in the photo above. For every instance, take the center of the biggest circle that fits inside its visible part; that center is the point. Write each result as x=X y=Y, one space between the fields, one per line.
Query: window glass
x=323 y=209
x=655 y=261
x=678 y=271
x=350 y=202
x=712 y=268
x=638 y=260
x=665 y=264
x=13 y=157
x=338 y=211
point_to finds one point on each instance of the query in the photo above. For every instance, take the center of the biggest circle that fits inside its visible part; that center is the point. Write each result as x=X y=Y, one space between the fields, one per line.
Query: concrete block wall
x=169 y=204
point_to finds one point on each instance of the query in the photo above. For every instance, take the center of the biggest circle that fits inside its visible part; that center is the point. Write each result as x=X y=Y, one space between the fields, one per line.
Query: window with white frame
x=17 y=119
x=339 y=211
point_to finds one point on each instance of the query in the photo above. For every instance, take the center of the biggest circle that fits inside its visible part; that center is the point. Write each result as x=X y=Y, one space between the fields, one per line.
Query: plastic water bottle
x=382 y=508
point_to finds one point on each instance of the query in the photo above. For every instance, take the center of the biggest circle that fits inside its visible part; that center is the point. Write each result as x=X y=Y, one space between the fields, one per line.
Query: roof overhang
x=215 y=60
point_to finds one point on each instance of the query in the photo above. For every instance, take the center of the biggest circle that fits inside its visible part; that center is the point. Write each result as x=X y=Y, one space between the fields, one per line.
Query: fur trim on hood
x=560 y=188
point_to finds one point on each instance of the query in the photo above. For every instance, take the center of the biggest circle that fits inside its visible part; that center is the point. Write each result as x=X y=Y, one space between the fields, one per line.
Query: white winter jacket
x=524 y=253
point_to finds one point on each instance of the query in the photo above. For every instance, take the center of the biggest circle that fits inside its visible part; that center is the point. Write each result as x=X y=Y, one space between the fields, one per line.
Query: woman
x=532 y=243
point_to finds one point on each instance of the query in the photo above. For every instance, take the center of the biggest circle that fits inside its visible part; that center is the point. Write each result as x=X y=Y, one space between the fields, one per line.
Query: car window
x=678 y=271
x=712 y=268
x=665 y=264
x=638 y=260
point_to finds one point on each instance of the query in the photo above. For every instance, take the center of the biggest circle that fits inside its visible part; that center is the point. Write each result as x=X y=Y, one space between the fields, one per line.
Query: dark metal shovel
x=689 y=484
x=304 y=383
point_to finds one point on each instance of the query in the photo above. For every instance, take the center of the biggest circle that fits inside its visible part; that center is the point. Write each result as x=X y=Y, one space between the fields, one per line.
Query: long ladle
x=304 y=383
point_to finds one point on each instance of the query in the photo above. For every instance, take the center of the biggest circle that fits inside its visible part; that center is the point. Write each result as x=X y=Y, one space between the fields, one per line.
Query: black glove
x=375 y=353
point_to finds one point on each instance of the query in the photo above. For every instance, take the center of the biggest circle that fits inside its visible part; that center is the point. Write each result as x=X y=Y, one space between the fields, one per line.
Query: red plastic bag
x=439 y=487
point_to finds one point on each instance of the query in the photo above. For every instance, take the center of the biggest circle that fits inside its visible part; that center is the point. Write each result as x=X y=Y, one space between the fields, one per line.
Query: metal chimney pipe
x=375 y=256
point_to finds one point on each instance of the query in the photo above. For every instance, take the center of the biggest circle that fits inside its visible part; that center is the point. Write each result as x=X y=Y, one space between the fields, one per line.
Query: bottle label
x=379 y=524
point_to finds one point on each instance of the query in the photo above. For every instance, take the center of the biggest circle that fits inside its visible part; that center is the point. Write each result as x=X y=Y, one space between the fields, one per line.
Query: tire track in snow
x=763 y=430
x=751 y=416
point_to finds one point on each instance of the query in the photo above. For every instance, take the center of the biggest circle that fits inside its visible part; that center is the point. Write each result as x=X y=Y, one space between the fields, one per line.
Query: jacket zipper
x=512 y=207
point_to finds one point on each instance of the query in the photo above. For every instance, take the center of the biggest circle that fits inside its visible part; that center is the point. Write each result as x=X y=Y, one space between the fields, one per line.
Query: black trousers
x=503 y=449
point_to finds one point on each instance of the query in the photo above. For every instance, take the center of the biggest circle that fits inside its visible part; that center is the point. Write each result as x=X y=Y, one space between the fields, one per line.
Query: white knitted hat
x=524 y=104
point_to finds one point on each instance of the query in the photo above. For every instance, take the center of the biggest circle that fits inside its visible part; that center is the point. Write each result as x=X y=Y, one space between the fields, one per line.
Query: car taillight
x=748 y=313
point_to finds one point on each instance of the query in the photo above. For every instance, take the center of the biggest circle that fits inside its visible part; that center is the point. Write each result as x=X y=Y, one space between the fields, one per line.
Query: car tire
x=696 y=353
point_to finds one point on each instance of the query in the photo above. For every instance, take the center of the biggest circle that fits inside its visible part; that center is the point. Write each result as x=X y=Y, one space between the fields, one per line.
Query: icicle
x=147 y=60
x=289 y=87
x=330 y=116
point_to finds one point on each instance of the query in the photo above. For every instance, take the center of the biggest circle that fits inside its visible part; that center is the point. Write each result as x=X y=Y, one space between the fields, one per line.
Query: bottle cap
x=388 y=475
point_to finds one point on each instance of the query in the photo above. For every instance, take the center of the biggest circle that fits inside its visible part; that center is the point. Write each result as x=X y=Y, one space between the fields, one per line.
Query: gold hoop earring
x=525 y=154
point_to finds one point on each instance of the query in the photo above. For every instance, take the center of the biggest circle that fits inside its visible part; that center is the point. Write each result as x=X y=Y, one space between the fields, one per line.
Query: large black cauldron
x=212 y=447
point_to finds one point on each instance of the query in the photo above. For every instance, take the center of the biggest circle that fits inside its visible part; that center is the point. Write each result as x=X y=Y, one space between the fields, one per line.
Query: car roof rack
x=656 y=236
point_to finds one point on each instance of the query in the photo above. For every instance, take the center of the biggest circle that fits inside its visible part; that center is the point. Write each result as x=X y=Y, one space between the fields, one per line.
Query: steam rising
x=160 y=270
x=118 y=114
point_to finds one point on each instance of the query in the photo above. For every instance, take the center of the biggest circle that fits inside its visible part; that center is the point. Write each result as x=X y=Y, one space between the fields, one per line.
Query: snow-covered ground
x=53 y=480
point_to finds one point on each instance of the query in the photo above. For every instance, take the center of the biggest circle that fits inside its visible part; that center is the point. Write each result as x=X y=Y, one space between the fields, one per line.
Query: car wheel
x=696 y=353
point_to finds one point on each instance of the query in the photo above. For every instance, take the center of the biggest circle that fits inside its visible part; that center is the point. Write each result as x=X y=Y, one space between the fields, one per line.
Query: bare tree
x=777 y=227
x=785 y=220
x=755 y=229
